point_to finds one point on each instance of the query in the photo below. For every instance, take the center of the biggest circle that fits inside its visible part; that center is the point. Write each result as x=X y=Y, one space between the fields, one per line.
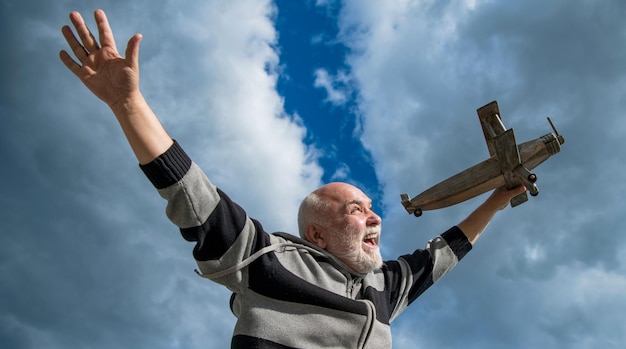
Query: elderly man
x=327 y=289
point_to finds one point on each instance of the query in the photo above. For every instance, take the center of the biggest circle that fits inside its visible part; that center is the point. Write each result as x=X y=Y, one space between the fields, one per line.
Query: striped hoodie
x=287 y=292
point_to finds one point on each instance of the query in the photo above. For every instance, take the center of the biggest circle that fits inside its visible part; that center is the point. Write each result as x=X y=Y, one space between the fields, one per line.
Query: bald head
x=338 y=191
x=318 y=207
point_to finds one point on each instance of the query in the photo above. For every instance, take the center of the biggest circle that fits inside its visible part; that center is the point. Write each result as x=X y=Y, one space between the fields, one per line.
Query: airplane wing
x=491 y=124
x=505 y=146
x=502 y=145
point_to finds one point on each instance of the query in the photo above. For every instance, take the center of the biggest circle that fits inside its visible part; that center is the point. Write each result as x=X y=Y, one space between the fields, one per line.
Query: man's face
x=353 y=234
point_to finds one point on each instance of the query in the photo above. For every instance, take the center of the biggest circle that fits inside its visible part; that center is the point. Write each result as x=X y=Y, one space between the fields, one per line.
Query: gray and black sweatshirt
x=288 y=293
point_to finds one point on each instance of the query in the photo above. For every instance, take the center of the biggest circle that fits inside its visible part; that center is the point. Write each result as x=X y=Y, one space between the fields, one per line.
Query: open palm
x=111 y=77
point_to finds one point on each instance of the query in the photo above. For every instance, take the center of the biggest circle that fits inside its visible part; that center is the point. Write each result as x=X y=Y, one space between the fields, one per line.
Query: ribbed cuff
x=457 y=241
x=169 y=168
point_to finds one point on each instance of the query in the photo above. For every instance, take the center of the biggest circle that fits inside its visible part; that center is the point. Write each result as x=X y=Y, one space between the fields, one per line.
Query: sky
x=273 y=99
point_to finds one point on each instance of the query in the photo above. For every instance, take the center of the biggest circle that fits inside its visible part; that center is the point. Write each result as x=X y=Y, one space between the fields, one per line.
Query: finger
x=104 y=30
x=517 y=190
x=89 y=41
x=70 y=63
x=79 y=51
x=132 y=51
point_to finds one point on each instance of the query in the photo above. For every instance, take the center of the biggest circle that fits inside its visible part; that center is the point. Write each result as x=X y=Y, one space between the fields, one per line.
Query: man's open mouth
x=371 y=240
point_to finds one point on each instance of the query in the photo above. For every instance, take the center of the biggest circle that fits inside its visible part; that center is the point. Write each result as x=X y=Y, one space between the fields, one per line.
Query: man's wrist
x=127 y=105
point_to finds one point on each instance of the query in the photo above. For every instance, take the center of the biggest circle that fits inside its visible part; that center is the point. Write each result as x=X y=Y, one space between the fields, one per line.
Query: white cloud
x=329 y=4
x=342 y=173
x=233 y=118
x=336 y=87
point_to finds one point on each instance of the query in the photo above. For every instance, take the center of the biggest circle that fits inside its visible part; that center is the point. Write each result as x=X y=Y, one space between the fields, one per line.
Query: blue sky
x=273 y=99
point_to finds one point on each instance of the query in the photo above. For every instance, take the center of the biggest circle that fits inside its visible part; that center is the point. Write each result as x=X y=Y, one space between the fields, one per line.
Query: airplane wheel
x=417 y=213
x=534 y=191
x=532 y=177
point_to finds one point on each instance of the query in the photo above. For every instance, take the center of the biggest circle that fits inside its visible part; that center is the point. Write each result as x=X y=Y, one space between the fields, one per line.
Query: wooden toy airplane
x=509 y=165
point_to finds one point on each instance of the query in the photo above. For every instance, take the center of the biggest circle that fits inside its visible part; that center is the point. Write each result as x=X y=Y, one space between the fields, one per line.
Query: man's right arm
x=143 y=130
x=195 y=205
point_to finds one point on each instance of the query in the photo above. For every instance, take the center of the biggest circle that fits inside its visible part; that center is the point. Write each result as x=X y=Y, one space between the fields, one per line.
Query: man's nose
x=373 y=218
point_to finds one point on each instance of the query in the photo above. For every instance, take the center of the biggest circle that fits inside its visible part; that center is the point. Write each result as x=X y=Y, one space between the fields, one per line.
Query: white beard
x=348 y=246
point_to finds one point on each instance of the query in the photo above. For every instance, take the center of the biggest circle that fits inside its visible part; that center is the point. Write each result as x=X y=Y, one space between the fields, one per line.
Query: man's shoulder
x=282 y=237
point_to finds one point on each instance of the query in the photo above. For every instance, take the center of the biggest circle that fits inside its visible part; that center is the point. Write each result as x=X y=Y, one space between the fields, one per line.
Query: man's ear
x=315 y=234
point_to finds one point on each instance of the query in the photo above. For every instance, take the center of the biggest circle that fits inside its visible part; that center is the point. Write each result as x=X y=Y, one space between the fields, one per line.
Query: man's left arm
x=442 y=253
x=477 y=221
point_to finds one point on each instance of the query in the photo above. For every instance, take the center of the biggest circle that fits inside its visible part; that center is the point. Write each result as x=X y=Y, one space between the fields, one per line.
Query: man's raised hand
x=100 y=67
